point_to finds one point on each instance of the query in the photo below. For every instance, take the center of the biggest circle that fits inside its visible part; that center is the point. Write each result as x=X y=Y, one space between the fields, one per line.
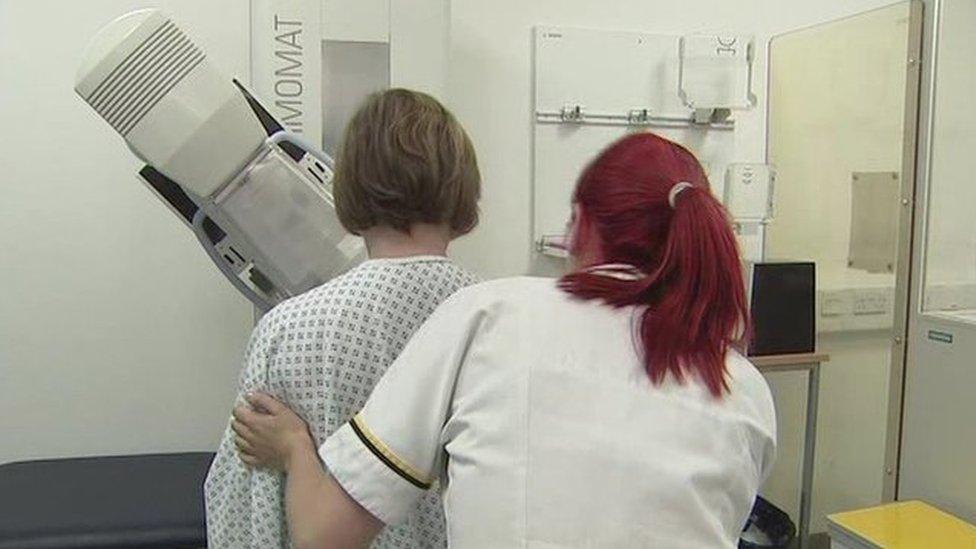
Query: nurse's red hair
x=693 y=292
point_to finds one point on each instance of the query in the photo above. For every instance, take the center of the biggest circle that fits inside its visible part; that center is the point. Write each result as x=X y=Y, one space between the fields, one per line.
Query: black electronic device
x=782 y=299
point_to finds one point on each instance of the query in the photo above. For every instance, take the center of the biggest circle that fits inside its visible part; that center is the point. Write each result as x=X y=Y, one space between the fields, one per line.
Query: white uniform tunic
x=535 y=412
x=321 y=353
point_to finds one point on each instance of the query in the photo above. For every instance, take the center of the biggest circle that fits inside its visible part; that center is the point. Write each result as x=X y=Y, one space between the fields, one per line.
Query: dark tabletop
x=151 y=500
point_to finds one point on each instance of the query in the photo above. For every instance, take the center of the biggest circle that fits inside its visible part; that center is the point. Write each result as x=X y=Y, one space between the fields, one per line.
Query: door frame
x=923 y=14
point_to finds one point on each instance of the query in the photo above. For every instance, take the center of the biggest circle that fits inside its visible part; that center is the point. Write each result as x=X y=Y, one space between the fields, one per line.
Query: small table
x=901 y=525
x=811 y=363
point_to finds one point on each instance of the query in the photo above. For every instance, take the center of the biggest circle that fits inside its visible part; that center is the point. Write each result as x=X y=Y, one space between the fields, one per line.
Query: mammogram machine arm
x=258 y=199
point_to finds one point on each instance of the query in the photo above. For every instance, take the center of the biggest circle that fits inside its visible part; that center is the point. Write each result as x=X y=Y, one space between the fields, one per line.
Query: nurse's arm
x=320 y=513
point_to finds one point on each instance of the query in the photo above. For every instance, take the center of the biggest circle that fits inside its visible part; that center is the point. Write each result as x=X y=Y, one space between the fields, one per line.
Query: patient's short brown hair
x=405 y=159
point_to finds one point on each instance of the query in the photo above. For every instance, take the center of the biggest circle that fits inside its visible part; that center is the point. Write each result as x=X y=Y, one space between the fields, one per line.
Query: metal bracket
x=553 y=245
x=716 y=119
x=571 y=113
x=702 y=116
x=639 y=117
x=710 y=116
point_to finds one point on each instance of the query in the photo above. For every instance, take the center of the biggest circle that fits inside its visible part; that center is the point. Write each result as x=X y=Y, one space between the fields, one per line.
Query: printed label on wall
x=941 y=337
x=286 y=63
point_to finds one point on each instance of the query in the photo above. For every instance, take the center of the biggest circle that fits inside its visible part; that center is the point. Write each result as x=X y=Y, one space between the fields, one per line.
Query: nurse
x=608 y=408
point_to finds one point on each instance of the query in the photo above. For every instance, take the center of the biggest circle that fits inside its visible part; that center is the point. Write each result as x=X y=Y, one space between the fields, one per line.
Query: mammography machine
x=259 y=199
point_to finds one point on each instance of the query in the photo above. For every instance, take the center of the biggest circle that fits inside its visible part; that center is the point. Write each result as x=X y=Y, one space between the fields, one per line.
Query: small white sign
x=749 y=191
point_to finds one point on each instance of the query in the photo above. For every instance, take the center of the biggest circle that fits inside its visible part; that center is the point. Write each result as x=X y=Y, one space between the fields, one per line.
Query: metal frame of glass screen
x=907 y=289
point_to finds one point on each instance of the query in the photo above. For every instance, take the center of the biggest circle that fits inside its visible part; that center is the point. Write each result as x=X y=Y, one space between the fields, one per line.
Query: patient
x=407 y=181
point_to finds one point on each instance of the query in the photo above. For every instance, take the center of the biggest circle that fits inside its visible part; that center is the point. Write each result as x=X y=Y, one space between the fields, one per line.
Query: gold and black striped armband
x=384 y=454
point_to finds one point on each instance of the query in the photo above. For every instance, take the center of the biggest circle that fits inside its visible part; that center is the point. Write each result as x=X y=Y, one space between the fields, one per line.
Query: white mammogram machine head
x=258 y=199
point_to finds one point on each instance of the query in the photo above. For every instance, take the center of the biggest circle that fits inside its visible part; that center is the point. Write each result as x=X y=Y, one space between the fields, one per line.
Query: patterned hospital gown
x=321 y=353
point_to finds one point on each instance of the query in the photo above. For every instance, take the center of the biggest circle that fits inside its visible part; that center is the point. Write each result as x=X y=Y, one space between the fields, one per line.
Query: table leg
x=809 y=446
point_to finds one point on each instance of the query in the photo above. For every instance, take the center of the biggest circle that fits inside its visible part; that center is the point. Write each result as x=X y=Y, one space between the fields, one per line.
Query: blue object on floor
x=139 y=501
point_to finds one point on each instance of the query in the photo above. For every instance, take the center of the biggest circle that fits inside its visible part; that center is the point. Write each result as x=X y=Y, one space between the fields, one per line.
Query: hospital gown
x=321 y=353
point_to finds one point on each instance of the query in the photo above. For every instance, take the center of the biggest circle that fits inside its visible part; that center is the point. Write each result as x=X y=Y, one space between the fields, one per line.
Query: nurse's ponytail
x=648 y=202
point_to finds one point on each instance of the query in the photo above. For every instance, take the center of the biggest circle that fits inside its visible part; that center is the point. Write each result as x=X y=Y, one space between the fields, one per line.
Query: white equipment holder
x=593 y=86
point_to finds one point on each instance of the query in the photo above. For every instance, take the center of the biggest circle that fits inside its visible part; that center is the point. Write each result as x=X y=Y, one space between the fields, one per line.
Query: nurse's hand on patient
x=268 y=433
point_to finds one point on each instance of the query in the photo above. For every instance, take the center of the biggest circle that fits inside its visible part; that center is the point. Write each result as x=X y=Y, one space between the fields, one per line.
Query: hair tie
x=676 y=190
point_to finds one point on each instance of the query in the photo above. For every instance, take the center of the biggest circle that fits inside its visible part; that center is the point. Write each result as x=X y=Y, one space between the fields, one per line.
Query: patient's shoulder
x=371 y=291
